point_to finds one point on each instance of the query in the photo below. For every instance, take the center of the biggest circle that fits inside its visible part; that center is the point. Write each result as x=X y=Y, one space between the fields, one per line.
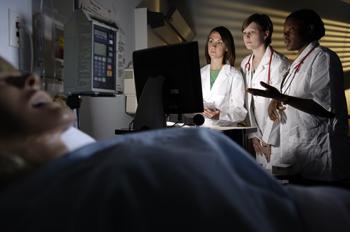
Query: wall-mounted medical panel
x=90 y=56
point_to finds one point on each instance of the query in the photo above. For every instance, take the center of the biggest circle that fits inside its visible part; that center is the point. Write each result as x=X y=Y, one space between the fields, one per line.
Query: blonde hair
x=11 y=165
x=6 y=66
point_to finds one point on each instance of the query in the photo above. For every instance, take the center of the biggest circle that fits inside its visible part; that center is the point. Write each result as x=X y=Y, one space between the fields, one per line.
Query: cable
x=131 y=125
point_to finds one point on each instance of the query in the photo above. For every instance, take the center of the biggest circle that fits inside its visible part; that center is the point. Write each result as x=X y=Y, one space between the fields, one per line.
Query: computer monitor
x=167 y=81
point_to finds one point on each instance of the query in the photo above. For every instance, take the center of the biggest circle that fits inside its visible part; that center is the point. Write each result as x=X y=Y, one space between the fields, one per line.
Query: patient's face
x=25 y=110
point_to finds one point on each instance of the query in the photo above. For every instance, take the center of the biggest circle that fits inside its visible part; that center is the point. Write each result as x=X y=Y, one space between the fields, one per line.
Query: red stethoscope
x=289 y=77
x=247 y=65
x=247 y=68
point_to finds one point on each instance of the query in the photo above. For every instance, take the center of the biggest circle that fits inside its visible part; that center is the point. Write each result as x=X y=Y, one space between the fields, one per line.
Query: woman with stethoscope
x=264 y=64
x=222 y=85
x=311 y=96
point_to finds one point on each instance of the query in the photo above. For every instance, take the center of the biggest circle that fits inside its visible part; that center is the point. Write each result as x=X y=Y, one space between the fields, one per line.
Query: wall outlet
x=14 y=26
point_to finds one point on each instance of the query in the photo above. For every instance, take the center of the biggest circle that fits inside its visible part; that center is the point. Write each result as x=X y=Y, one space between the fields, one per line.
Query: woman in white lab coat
x=222 y=85
x=314 y=132
x=264 y=64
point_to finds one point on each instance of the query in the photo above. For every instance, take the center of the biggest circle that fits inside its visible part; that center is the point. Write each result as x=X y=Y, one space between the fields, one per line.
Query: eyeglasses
x=17 y=81
x=213 y=43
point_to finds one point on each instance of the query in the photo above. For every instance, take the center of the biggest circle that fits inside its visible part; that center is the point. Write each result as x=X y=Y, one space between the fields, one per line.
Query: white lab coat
x=267 y=130
x=227 y=94
x=317 y=146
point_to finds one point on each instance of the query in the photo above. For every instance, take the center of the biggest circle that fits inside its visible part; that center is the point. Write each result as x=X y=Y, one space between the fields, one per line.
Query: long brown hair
x=227 y=38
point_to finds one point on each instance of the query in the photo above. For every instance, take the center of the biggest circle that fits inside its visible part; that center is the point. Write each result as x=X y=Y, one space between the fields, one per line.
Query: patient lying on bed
x=164 y=180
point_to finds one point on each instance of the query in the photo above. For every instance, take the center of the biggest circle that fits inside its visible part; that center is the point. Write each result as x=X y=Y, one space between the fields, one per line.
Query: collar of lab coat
x=303 y=53
x=221 y=77
x=264 y=63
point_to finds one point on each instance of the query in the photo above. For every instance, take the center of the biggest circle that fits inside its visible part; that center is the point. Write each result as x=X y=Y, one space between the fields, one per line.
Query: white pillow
x=74 y=138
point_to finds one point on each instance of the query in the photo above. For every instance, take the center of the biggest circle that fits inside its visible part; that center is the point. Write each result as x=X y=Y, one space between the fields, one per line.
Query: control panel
x=90 y=56
x=104 y=58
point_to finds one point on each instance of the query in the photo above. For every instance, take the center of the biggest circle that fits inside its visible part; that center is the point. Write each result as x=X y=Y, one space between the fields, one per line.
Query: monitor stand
x=150 y=110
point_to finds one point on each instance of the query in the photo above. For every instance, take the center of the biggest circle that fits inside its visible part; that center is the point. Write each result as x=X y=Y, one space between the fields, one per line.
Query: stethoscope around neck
x=247 y=68
x=247 y=65
x=290 y=75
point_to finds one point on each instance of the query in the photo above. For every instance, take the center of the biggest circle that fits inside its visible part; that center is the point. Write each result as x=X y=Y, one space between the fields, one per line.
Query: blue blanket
x=164 y=180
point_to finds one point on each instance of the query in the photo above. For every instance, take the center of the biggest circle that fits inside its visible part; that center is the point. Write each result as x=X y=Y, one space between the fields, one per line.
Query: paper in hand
x=209 y=105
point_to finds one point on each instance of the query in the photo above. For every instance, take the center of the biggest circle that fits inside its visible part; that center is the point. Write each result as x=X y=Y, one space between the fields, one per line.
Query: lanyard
x=247 y=65
x=289 y=77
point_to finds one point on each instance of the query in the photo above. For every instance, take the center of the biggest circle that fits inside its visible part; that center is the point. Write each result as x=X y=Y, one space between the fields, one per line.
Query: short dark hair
x=227 y=38
x=263 y=21
x=310 y=22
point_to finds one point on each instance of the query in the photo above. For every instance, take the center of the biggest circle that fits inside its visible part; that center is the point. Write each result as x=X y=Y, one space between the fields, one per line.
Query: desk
x=236 y=133
x=122 y=131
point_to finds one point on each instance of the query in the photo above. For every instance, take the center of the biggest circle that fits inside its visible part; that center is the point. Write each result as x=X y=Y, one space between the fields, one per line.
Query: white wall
x=102 y=115
x=22 y=7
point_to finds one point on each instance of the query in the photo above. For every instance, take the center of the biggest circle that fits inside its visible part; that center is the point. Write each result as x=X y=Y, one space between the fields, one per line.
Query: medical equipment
x=46 y=55
x=167 y=81
x=90 y=55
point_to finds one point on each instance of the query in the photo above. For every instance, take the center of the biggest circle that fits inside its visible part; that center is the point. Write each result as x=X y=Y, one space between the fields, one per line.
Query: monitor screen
x=100 y=49
x=167 y=81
